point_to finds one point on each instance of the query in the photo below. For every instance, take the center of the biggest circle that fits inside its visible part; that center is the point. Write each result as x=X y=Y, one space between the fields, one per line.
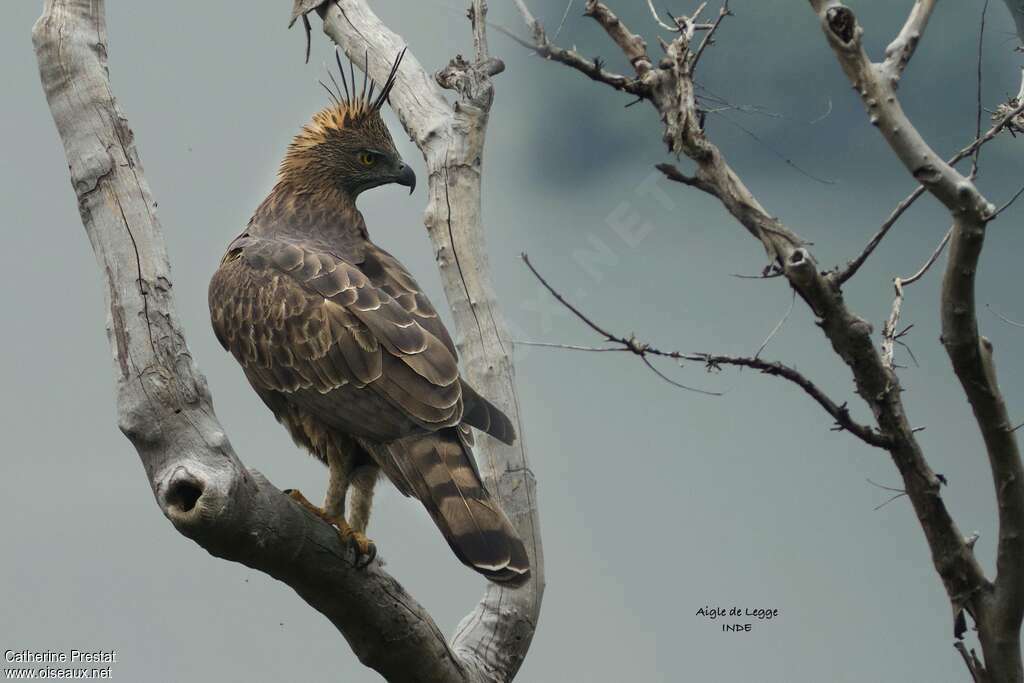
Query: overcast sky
x=654 y=502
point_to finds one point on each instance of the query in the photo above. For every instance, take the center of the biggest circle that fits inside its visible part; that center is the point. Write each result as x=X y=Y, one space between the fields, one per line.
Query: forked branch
x=165 y=408
x=997 y=612
x=492 y=641
x=670 y=90
x=839 y=412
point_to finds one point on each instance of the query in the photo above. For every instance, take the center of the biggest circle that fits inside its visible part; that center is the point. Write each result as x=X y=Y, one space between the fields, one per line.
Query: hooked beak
x=406 y=177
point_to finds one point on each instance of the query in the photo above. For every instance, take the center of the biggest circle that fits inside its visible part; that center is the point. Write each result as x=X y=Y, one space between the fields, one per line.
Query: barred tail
x=440 y=471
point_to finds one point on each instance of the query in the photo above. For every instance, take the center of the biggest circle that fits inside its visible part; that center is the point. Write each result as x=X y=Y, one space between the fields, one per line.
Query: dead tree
x=666 y=82
x=163 y=401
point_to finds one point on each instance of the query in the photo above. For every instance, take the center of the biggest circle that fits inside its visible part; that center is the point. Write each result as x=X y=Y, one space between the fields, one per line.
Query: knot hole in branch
x=842 y=23
x=799 y=265
x=183 y=493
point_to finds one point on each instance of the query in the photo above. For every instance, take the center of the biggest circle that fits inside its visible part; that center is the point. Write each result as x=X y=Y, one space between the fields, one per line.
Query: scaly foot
x=364 y=548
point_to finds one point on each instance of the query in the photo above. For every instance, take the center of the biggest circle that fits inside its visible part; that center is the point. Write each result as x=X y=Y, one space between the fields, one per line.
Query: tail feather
x=485 y=416
x=440 y=472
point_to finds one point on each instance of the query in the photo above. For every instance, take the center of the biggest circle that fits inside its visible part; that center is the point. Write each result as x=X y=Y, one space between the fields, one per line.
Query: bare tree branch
x=163 y=401
x=711 y=361
x=593 y=69
x=778 y=326
x=1003 y=122
x=1004 y=319
x=565 y=15
x=977 y=115
x=897 y=494
x=632 y=45
x=165 y=408
x=931 y=259
x=709 y=37
x=1016 y=125
x=853 y=266
x=1008 y=204
x=658 y=21
x=671 y=92
x=493 y=640
x=971 y=355
x=900 y=50
x=573 y=347
x=890 y=337
x=998 y=613
x=974 y=665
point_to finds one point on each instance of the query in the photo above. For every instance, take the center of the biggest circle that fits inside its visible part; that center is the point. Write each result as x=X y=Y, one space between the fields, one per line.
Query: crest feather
x=355 y=107
x=351 y=108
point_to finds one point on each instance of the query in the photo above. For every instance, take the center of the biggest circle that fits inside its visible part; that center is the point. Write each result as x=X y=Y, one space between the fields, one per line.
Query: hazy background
x=654 y=502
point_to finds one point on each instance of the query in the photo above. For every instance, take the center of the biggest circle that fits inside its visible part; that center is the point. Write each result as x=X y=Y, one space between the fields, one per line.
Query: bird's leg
x=340 y=466
x=364 y=478
x=334 y=506
x=297 y=496
x=340 y=463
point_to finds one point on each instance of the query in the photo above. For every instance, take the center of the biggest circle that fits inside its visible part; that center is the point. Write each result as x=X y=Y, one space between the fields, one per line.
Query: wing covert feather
x=297 y=319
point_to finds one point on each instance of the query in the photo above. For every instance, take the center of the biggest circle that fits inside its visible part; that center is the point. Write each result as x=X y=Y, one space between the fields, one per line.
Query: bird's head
x=346 y=146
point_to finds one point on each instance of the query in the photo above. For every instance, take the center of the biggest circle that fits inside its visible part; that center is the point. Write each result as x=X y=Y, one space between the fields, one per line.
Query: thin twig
x=890 y=338
x=561 y=299
x=523 y=42
x=1003 y=317
x=974 y=665
x=931 y=260
x=568 y=347
x=723 y=12
x=646 y=361
x=839 y=412
x=778 y=327
x=786 y=160
x=828 y=112
x=884 y=487
x=772 y=270
x=1008 y=204
x=889 y=328
x=593 y=69
x=629 y=344
x=895 y=497
x=654 y=13
x=977 y=125
x=708 y=94
x=853 y=266
x=565 y=15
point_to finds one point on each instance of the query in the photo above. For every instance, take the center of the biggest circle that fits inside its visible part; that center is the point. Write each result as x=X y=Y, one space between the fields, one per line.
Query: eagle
x=341 y=344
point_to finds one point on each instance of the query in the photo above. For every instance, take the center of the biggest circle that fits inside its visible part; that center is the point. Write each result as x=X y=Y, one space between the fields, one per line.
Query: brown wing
x=387 y=273
x=312 y=326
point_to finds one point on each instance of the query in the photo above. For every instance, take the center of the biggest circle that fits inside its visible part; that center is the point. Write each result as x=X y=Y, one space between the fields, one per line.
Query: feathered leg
x=363 y=480
x=340 y=463
x=340 y=466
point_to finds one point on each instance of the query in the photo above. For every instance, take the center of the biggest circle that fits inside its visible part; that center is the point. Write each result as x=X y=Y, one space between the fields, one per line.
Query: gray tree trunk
x=163 y=401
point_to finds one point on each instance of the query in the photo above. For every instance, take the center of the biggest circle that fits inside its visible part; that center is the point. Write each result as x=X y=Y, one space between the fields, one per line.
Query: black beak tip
x=407 y=177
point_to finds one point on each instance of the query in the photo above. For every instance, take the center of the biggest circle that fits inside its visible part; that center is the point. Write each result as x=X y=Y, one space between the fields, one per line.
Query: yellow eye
x=367 y=159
